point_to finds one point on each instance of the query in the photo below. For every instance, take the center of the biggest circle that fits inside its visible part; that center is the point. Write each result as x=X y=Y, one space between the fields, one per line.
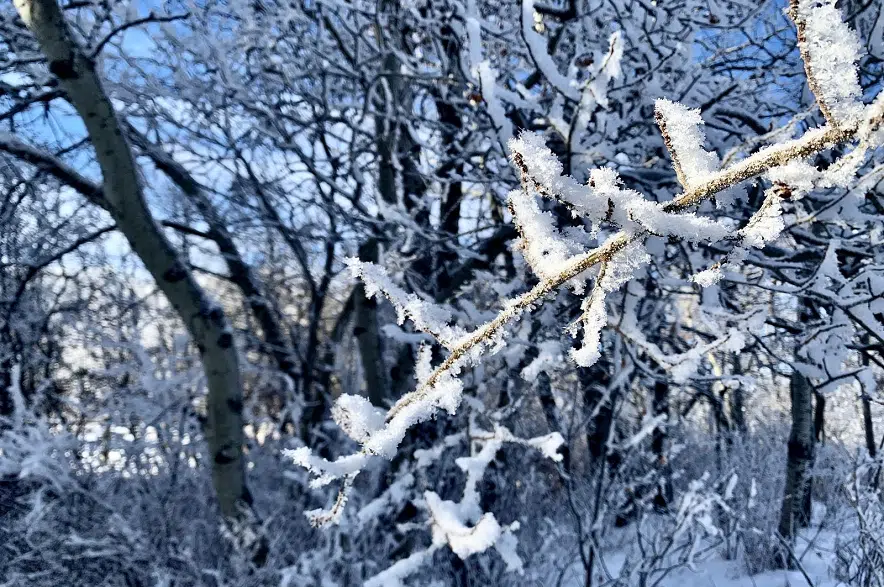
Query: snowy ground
x=815 y=548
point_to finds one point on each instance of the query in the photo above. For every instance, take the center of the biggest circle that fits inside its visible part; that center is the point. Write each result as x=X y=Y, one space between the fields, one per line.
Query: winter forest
x=330 y=293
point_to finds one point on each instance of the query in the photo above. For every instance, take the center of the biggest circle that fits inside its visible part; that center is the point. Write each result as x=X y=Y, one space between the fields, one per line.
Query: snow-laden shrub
x=860 y=550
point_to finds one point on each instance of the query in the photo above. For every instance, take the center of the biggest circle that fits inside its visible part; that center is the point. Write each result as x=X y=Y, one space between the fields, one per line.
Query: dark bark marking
x=63 y=68
x=175 y=273
x=235 y=405
x=799 y=450
x=223 y=457
x=225 y=341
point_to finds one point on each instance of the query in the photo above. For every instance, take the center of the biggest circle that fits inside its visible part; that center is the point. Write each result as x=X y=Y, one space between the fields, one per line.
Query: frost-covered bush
x=860 y=549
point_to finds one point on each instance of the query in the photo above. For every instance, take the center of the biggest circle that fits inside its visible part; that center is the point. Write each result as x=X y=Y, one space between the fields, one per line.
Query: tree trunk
x=124 y=200
x=738 y=399
x=819 y=417
x=451 y=170
x=596 y=399
x=737 y=408
x=543 y=386
x=660 y=407
x=10 y=484
x=368 y=336
x=868 y=423
x=241 y=274
x=366 y=328
x=6 y=403
x=800 y=456
x=869 y=426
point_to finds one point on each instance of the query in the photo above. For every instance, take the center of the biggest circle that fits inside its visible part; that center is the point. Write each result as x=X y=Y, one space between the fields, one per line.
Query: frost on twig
x=683 y=137
x=767 y=223
x=356 y=416
x=426 y=316
x=603 y=198
x=763 y=227
x=541 y=171
x=619 y=269
x=632 y=212
x=440 y=387
x=548 y=251
x=544 y=247
x=830 y=50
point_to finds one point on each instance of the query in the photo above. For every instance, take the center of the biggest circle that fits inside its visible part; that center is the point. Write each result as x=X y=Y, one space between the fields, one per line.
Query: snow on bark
x=426 y=316
x=532 y=157
x=684 y=138
x=830 y=50
x=544 y=247
x=542 y=59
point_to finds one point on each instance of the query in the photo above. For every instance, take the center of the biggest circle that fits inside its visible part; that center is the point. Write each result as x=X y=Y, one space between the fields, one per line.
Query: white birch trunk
x=123 y=198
